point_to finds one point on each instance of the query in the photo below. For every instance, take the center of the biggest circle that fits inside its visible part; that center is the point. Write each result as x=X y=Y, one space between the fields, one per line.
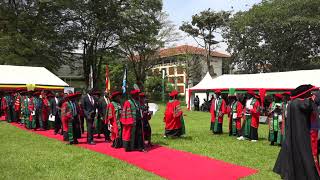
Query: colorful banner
x=107 y=79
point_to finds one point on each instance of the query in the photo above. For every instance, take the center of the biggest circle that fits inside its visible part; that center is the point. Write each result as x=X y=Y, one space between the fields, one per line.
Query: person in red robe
x=131 y=119
x=31 y=107
x=297 y=158
x=45 y=109
x=252 y=115
x=112 y=119
x=17 y=107
x=235 y=113
x=4 y=107
x=173 y=117
x=69 y=118
x=217 y=110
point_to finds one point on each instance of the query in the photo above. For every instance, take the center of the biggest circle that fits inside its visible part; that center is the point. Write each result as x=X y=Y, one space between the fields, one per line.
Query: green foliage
x=34 y=33
x=204 y=26
x=139 y=39
x=276 y=35
x=153 y=86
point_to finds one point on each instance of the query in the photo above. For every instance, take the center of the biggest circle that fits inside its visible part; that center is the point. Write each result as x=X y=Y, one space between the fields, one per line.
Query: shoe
x=107 y=140
x=76 y=142
x=70 y=143
x=241 y=138
x=165 y=136
x=91 y=143
x=253 y=140
x=55 y=133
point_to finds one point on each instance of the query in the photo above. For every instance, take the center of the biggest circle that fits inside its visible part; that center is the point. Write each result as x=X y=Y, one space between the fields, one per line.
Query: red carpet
x=167 y=163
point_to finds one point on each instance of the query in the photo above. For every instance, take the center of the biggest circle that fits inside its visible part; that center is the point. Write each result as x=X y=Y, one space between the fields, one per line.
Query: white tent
x=13 y=76
x=278 y=81
x=204 y=83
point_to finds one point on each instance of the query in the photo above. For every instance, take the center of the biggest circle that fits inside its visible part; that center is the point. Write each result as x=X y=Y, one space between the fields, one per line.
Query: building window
x=180 y=79
x=181 y=89
x=171 y=80
x=180 y=70
x=171 y=70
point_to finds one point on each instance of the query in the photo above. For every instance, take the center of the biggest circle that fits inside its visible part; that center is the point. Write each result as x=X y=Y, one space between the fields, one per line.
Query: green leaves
x=204 y=26
x=275 y=35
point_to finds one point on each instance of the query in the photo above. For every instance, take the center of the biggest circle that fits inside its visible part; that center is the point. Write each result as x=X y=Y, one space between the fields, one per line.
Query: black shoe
x=71 y=143
x=91 y=143
x=55 y=133
x=76 y=142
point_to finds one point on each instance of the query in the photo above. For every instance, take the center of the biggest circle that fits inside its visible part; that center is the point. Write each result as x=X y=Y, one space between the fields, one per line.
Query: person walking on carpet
x=173 y=117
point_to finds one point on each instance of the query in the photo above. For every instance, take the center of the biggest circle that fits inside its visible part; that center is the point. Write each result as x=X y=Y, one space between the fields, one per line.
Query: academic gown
x=217 y=111
x=146 y=116
x=173 y=118
x=132 y=132
x=275 y=123
x=251 y=123
x=113 y=118
x=295 y=160
x=235 y=111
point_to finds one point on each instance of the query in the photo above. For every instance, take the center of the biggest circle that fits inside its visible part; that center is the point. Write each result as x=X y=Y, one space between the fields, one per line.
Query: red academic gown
x=112 y=119
x=4 y=107
x=127 y=121
x=66 y=115
x=255 y=111
x=45 y=109
x=222 y=110
x=173 y=115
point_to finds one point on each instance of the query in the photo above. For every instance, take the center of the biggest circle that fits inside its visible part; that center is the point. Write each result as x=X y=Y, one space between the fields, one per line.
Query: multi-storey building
x=186 y=65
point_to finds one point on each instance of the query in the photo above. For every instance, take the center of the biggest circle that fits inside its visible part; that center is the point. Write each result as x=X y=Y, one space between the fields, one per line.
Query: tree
x=276 y=35
x=146 y=30
x=204 y=26
x=34 y=33
x=97 y=24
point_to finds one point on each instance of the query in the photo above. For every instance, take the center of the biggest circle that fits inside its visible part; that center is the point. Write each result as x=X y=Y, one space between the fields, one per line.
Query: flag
x=107 y=79
x=124 y=81
x=91 y=78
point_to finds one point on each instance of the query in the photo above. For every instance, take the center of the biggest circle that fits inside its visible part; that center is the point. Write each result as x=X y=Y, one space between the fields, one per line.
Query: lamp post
x=163 y=76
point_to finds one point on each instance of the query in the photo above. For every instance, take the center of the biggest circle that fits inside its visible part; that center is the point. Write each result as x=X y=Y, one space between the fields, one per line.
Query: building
x=185 y=65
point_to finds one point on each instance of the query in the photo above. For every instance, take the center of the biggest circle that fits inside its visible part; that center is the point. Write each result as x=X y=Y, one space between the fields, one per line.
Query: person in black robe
x=295 y=159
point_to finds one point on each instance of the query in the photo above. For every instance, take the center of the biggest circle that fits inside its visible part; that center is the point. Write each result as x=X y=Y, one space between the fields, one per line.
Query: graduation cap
x=301 y=90
x=115 y=94
x=173 y=93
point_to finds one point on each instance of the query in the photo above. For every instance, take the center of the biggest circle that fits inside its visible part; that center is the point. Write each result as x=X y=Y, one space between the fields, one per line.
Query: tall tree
x=34 y=33
x=276 y=35
x=97 y=24
x=204 y=27
x=146 y=30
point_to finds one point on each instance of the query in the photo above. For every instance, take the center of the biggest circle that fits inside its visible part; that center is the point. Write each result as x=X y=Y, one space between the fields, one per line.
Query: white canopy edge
x=18 y=75
x=270 y=81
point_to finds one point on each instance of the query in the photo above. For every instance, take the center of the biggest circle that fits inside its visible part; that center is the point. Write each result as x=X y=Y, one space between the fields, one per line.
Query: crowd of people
x=294 y=124
x=124 y=122
x=293 y=119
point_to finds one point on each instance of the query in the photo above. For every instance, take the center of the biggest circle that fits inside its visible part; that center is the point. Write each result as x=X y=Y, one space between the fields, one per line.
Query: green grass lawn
x=24 y=155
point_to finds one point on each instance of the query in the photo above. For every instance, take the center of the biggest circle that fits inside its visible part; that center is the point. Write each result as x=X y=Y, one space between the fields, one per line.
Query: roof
x=203 y=84
x=22 y=75
x=186 y=49
x=269 y=81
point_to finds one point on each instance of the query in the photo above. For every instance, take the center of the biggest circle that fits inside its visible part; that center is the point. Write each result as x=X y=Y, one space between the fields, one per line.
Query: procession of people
x=122 y=125
x=293 y=119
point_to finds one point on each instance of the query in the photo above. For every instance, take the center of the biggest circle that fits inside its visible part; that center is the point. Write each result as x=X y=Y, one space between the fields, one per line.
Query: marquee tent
x=25 y=77
x=277 y=81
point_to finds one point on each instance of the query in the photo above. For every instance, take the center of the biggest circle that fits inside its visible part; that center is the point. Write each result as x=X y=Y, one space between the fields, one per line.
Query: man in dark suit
x=55 y=111
x=89 y=105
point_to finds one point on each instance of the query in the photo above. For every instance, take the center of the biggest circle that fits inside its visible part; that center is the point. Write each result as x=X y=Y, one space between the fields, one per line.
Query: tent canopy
x=203 y=84
x=269 y=81
x=22 y=76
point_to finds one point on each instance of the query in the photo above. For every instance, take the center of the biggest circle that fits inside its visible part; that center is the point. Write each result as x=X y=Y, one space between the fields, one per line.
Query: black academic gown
x=295 y=161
